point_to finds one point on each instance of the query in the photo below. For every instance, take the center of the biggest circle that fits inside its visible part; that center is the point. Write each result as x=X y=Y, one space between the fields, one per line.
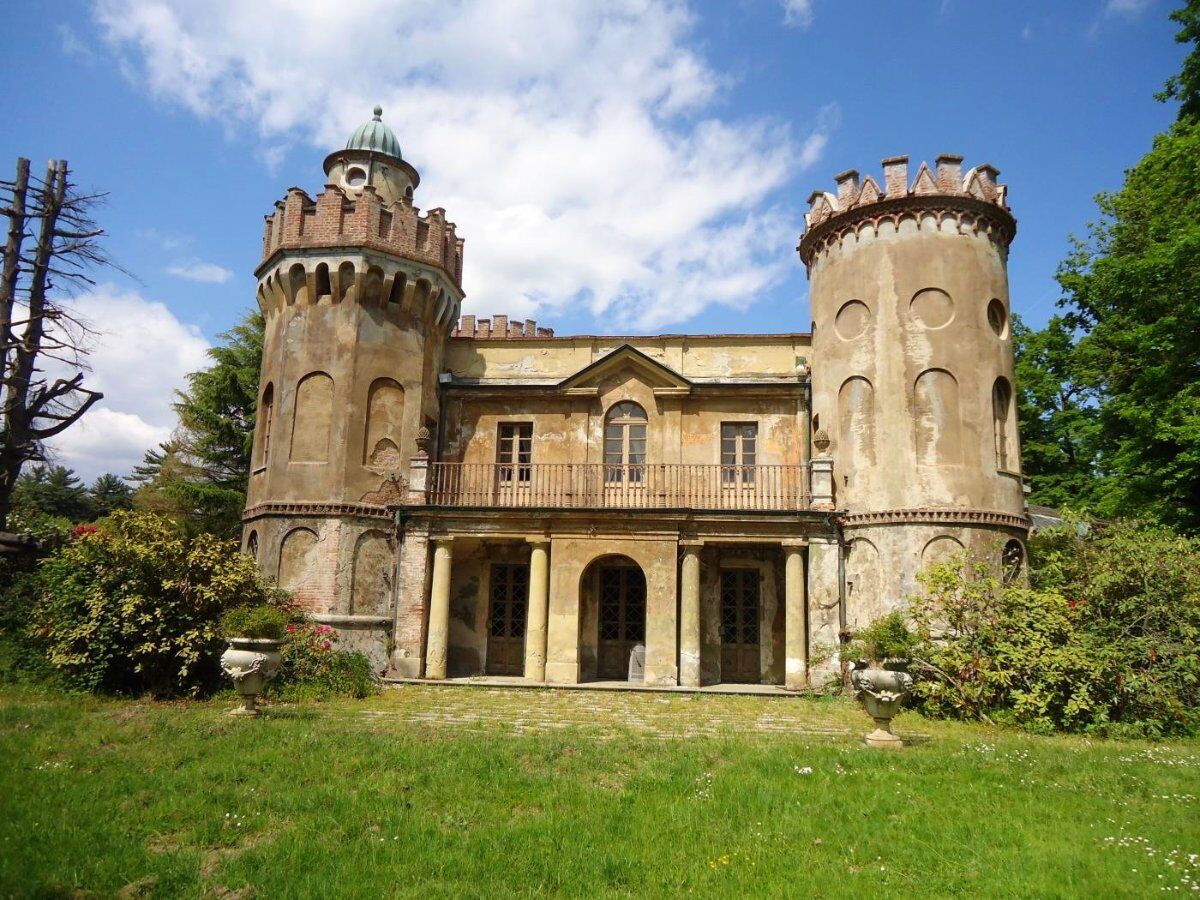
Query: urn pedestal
x=882 y=693
x=251 y=663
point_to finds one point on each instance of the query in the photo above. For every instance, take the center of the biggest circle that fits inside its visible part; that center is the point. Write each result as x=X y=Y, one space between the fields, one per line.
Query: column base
x=406 y=667
x=562 y=673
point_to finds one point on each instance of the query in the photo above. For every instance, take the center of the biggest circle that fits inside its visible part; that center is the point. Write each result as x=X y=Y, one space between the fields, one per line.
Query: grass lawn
x=461 y=792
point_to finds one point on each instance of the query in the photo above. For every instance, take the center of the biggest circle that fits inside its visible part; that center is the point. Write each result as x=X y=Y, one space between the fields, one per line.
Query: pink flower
x=291 y=629
x=325 y=645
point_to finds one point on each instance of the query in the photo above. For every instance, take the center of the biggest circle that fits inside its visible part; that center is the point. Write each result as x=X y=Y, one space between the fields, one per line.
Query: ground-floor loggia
x=656 y=605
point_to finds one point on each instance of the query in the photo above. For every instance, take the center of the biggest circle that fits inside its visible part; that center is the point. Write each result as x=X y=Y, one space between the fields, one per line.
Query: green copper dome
x=376 y=136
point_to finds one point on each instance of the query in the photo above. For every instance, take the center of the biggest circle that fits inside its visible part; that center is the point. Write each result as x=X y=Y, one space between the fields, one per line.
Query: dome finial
x=378 y=112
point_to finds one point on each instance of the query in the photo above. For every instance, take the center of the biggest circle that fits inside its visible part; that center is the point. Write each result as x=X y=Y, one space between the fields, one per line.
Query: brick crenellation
x=335 y=220
x=499 y=328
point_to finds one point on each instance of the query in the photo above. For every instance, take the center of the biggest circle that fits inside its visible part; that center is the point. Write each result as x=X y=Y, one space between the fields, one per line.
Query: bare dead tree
x=53 y=244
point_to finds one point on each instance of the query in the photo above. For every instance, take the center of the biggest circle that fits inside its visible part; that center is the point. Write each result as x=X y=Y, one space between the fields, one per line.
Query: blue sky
x=628 y=165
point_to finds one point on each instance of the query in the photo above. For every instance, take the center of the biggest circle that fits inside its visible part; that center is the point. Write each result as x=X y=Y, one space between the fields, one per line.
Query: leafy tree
x=1133 y=290
x=200 y=475
x=1057 y=415
x=110 y=493
x=53 y=491
x=1185 y=86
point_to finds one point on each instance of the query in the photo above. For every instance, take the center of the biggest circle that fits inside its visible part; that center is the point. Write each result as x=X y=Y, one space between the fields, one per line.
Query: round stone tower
x=912 y=375
x=359 y=292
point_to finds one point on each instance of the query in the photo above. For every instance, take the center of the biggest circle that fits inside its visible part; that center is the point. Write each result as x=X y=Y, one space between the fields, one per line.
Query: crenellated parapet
x=499 y=328
x=337 y=220
x=942 y=197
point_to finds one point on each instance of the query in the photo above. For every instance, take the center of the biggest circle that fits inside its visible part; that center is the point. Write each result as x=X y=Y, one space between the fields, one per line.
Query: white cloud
x=139 y=357
x=1127 y=7
x=206 y=273
x=575 y=143
x=797 y=12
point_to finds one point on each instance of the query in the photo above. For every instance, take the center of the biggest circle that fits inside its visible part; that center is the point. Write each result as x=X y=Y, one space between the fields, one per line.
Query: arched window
x=625 y=443
x=1001 y=414
x=1012 y=561
x=252 y=544
x=266 y=417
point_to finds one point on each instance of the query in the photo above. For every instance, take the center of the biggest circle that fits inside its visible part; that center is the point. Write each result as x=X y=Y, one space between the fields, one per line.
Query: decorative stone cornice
x=923 y=516
x=974 y=202
x=357 y=510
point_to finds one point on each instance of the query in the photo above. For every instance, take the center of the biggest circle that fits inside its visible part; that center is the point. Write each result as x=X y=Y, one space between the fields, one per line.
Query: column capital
x=692 y=544
x=794 y=543
x=443 y=540
x=536 y=541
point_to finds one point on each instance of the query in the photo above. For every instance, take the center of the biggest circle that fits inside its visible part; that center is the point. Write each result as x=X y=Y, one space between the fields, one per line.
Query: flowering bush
x=133 y=605
x=314 y=668
x=1103 y=640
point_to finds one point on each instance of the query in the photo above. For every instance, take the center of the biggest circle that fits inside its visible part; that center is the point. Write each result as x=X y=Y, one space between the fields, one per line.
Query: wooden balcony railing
x=595 y=485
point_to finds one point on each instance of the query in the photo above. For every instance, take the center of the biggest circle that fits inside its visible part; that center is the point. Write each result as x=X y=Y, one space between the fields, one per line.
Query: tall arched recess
x=1004 y=429
x=266 y=420
x=385 y=416
x=313 y=418
x=856 y=423
x=938 y=418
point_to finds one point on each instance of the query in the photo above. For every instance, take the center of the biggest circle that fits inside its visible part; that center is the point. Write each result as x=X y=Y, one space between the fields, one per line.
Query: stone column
x=539 y=608
x=795 y=619
x=689 y=615
x=438 y=641
x=823 y=642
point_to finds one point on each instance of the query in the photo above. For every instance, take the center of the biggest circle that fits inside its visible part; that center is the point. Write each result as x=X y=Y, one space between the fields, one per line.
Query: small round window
x=356 y=177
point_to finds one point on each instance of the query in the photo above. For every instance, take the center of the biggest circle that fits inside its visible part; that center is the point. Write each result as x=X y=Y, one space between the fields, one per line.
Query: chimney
x=949 y=173
x=895 y=176
x=847 y=184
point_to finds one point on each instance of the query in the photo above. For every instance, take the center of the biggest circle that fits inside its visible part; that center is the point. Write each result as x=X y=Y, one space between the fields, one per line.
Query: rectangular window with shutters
x=739 y=452
x=514 y=452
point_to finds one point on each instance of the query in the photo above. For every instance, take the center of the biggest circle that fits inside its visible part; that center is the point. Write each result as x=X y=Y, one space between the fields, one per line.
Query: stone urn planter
x=251 y=663
x=255 y=635
x=882 y=692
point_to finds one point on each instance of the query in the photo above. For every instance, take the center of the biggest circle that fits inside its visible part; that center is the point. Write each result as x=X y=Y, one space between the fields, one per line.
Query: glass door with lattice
x=622 y=592
x=509 y=602
x=740 y=652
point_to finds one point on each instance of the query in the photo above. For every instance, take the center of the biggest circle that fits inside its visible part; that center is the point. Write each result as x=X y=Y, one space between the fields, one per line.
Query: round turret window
x=356 y=177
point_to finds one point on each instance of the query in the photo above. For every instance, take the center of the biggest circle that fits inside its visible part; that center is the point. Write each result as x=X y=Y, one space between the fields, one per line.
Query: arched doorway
x=613 y=621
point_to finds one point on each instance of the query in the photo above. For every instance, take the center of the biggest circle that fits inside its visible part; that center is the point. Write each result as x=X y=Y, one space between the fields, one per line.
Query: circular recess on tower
x=997 y=317
x=852 y=319
x=356 y=177
x=932 y=307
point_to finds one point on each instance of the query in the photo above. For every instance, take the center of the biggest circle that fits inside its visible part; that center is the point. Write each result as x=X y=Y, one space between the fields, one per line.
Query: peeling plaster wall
x=693 y=356
x=906 y=311
x=321 y=560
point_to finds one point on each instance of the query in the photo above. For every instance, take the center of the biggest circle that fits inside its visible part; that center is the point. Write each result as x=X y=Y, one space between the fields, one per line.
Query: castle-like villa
x=464 y=496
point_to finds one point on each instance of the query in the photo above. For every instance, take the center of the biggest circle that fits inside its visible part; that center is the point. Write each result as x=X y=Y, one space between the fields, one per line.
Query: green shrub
x=888 y=638
x=260 y=621
x=314 y=668
x=1104 y=639
x=134 y=605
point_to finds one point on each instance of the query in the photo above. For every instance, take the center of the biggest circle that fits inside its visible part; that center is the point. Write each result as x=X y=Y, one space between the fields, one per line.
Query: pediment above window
x=661 y=379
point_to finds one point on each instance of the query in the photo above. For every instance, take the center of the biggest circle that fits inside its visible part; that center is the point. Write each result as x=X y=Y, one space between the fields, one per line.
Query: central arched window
x=625 y=443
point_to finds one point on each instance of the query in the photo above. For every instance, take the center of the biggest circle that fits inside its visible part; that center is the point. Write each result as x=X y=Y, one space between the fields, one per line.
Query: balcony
x=600 y=486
